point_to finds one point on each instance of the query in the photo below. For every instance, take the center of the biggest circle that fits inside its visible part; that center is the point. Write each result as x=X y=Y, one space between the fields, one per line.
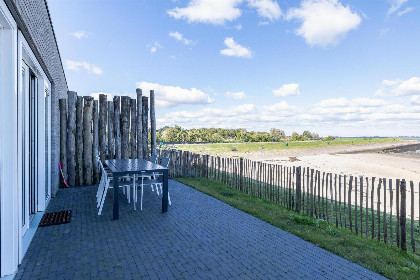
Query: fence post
x=241 y=173
x=413 y=243
x=298 y=189
x=71 y=140
x=403 y=216
x=63 y=135
x=87 y=140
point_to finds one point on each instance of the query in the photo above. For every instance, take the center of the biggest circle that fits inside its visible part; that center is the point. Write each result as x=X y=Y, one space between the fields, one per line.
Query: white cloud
x=235 y=49
x=266 y=8
x=337 y=116
x=208 y=11
x=80 y=34
x=238 y=27
x=170 y=96
x=287 y=90
x=76 y=66
x=179 y=37
x=406 y=10
x=415 y=100
x=399 y=87
x=324 y=22
x=153 y=48
x=396 y=6
x=236 y=95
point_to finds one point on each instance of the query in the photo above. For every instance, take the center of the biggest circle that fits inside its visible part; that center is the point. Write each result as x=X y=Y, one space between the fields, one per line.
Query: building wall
x=36 y=17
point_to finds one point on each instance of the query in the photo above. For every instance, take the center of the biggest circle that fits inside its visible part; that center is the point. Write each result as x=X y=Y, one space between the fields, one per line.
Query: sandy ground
x=373 y=160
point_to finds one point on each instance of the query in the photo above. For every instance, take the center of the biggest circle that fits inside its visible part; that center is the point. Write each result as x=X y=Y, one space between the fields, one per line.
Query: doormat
x=55 y=218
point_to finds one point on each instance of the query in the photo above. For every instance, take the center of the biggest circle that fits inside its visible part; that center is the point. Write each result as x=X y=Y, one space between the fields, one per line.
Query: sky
x=335 y=67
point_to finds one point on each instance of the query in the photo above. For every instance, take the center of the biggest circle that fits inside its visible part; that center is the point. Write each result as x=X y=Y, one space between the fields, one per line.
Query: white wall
x=8 y=135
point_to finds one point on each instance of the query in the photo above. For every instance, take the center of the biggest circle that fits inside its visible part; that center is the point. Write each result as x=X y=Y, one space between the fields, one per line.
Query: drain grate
x=55 y=218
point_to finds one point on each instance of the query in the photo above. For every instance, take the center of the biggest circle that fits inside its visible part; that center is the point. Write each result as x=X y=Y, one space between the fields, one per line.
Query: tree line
x=219 y=135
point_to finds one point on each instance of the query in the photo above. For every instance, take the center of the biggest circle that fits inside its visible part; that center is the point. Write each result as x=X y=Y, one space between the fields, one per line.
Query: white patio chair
x=165 y=163
x=107 y=183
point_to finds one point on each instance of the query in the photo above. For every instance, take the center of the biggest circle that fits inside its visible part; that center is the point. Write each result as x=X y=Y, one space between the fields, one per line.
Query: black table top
x=131 y=166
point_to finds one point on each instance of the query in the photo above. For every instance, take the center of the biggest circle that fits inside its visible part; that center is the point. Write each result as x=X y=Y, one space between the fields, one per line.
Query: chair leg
x=103 y=198
x=141 y=199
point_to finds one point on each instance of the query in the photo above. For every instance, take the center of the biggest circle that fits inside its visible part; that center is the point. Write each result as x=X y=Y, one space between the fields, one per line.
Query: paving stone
x=199 y=237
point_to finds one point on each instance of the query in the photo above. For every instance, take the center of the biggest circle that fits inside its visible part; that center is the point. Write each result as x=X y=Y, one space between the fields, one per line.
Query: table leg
x=116 y=200
x=165 y=191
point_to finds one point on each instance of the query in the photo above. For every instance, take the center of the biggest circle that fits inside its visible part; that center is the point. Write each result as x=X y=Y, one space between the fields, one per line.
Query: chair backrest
x=165 y=162
x=104 y=173
x=153 y=158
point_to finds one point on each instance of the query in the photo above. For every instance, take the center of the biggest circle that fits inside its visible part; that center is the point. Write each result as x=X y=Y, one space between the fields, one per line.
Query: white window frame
x=9 y=244
x=27 y=57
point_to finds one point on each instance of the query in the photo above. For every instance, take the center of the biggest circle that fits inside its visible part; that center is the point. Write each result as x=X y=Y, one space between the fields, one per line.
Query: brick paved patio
x=199 y=238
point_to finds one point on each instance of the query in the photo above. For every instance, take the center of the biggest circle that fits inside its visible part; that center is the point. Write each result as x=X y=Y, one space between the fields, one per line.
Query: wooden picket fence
x=109 y=129
x=375 y=208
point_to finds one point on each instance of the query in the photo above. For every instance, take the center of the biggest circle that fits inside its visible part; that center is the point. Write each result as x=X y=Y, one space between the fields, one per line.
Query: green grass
x=376 y=256
x=221 y=148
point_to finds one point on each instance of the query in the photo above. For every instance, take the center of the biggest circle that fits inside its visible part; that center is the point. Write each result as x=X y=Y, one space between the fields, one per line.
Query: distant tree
x=277 y=133
x=315 y=136
x=295 y=136
x=306 y=134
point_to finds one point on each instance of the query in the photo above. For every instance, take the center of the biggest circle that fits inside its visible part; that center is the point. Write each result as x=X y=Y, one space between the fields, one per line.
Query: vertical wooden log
x=133 y=127
x=145 y=136
x=372 y=214
x=95 y=145
x=403 y=216
x=62 y=103
x=413 y=243
x=303 y=189
x=327 y=204
x=349 y=200
x=152 y=123
x=397 y=203
x=391 y=224
x=111 y=130
x=139 y=123
x=117 y=127
x=125 y=127
x=102 y=126
x=367 y=209
x=71 y=138
x=384 y=218
x=87 y=140
x=79 y=140
x=378 y=209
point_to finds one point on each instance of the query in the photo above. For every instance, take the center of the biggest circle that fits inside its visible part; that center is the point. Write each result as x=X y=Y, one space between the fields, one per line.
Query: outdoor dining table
x=123 y=167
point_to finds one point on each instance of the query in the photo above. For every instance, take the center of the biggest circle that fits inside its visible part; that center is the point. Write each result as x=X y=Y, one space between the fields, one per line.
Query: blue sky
x=336 y=67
